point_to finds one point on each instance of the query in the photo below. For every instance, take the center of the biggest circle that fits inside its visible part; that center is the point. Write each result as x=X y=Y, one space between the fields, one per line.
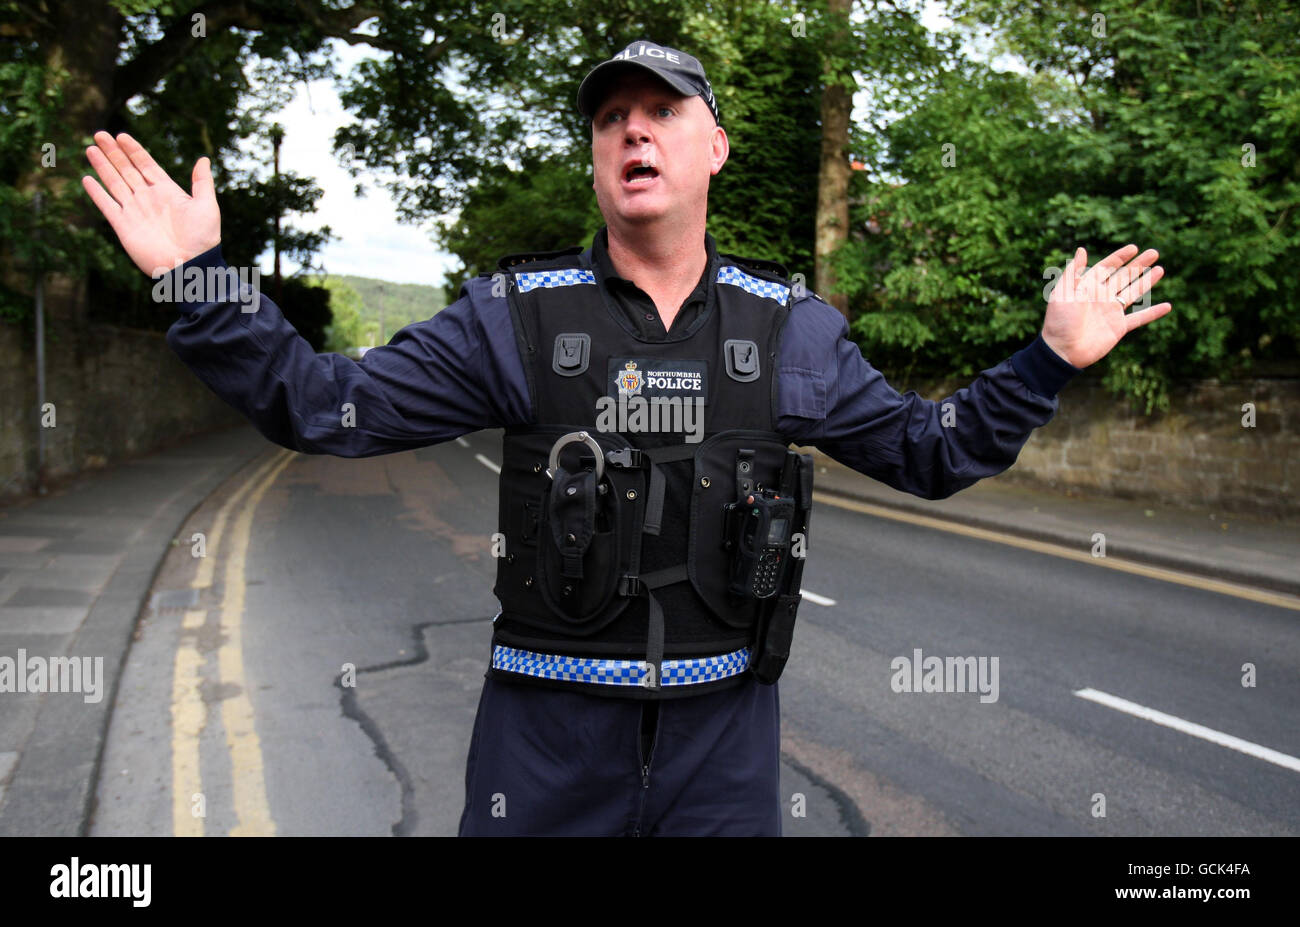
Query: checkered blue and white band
x=728 y=273
x=751 y=284
x=684 y=672
x=532 y=280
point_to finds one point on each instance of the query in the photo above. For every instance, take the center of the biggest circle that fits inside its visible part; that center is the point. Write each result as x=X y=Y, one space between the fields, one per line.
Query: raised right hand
x=159 y=224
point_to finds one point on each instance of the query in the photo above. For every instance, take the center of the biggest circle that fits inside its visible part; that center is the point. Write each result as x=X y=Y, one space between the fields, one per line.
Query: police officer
x=652 y=513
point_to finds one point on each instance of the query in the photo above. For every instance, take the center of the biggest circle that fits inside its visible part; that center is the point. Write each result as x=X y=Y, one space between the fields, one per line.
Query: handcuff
x=576 y=437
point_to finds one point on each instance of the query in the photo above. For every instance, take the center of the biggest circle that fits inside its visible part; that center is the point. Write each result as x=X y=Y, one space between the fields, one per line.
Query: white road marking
x=487 y=463
x=462 y=442
x=1188 y=727
x=816 y=599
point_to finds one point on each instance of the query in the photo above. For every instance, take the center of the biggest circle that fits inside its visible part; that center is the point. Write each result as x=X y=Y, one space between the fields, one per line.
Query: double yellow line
x=189 y=714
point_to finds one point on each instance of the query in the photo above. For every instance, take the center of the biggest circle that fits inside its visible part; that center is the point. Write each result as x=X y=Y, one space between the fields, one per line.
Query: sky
x=370 y=241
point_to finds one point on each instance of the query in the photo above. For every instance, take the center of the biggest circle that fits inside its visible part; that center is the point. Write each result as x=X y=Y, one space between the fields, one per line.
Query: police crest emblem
x=629 y=381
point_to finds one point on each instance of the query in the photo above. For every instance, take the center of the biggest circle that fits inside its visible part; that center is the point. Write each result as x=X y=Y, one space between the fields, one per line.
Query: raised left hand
x=1086 y=313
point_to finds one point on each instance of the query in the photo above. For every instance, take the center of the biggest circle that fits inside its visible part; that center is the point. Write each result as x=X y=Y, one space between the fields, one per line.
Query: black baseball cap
x=675 y=68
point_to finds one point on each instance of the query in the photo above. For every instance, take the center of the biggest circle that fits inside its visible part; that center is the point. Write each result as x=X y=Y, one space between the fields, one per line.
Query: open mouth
x=638 y=175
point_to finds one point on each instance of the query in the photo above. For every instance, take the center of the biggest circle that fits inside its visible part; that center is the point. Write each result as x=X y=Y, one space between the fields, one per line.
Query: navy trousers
x=552 y=762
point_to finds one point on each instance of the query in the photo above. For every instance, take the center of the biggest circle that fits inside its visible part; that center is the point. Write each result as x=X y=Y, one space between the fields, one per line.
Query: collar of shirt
x=636 y=305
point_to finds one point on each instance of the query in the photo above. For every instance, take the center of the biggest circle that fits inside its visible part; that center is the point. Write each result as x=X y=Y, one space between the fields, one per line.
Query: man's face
x=653 y=151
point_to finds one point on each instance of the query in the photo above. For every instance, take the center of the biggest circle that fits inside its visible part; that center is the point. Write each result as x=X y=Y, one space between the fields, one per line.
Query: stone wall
x=1197 y=453
x=117 y=393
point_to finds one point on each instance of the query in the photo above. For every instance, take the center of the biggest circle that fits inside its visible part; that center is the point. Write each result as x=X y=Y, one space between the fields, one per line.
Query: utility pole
x=40 y=351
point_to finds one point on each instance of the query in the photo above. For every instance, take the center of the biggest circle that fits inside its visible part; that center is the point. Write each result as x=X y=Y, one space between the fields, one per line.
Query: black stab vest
x=584 y=593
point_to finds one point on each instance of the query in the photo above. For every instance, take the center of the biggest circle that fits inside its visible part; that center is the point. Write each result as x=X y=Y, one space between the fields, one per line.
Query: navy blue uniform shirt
x=460 y=371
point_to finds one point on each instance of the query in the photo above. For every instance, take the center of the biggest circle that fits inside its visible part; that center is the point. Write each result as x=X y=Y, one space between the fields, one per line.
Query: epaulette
x=529 y=257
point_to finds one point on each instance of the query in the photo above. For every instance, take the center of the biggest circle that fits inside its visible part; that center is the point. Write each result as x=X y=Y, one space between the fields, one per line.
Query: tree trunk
x=84 y=42
x=833 y=178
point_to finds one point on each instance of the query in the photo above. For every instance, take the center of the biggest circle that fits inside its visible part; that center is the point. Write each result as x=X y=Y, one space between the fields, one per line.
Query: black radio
x=760 y=536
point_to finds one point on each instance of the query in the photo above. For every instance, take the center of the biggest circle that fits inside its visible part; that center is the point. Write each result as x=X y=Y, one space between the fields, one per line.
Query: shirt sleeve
x=831 y=398
x=454 y=373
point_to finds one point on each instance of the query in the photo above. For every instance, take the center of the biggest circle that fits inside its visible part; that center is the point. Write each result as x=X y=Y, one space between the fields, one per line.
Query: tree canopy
x=1173 y=124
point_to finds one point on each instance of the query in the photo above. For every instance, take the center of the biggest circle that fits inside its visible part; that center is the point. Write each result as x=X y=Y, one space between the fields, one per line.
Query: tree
x=345 y=304
x=946 y=271
x=543 y=205
x=838 y=85
x=171 y=73
x=515 y=152
x=1172 y=124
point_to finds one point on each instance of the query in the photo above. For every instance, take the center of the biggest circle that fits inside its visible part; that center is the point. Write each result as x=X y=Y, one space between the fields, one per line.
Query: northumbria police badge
x=629 y=381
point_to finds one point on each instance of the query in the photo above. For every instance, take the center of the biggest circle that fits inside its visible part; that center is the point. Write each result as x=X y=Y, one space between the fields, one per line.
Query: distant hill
x=367 y=312
x=396 y=305
x=402 y=303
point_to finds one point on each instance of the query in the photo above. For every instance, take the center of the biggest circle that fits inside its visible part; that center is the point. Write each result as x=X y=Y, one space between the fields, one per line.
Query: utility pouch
x=582 y=535
x=775 y=635
x=775 y=626
x=718 y=481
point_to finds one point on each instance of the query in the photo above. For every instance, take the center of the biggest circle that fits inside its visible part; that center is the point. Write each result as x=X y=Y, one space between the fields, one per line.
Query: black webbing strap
x=666 y=577
x=671 y=453
x=651 y=523
x=654 y=654
x=654 y=648
x=654 y=502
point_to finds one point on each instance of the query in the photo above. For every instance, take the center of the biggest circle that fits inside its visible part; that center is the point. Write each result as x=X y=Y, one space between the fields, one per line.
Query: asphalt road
x=317 y=672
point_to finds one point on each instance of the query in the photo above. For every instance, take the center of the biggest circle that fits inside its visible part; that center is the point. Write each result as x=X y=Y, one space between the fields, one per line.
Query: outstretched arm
x=454 y=373
x=832 y=398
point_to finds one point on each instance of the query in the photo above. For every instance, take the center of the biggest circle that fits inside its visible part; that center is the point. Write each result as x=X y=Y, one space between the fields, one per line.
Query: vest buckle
x=629 y=584
x=626 y=457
